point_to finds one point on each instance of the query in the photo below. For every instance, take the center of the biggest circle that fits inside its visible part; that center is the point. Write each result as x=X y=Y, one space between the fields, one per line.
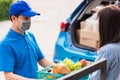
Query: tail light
x=63 y=26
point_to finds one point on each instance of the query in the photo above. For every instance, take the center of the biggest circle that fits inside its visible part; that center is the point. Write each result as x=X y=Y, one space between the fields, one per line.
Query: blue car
x=67 y=44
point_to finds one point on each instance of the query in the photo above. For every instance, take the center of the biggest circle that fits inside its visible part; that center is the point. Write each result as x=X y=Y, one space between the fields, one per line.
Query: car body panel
x=63 y=49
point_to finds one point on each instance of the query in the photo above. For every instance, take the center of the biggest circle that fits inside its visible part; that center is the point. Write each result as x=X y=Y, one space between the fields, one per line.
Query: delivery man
x=19 y=51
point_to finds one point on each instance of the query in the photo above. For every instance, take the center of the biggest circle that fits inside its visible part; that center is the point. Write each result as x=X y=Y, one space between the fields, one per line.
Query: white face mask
x=25 y=25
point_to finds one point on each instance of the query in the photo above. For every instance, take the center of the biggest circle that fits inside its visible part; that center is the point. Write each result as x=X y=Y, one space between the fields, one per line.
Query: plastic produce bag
x=92 y=23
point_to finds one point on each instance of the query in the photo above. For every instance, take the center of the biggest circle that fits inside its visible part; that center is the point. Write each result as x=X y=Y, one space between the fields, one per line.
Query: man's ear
x=13 y=18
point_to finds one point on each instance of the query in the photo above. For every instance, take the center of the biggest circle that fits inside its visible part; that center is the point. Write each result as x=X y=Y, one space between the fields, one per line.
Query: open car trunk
x=83 y=39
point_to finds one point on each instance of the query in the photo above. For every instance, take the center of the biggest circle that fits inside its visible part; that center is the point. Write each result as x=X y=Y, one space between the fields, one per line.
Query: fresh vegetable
x=61 y=68
x=84 y=62
x=67 y=65
x=70 y=64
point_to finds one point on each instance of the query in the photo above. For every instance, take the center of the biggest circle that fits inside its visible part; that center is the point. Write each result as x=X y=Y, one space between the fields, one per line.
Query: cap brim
x=29 y=13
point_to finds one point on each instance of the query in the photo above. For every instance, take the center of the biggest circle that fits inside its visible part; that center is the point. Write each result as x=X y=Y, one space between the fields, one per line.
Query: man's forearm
x=44 y=62
x=12 y=76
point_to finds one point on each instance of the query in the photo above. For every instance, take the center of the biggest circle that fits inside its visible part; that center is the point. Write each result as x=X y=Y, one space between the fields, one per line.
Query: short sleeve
x=40 y=55
x=7 y=59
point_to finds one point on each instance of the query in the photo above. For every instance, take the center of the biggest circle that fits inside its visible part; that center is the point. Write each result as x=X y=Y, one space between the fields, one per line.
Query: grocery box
x=45 y=75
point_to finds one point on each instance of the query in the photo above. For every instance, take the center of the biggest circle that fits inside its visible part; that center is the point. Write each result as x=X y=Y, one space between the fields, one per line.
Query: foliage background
x=4 y=9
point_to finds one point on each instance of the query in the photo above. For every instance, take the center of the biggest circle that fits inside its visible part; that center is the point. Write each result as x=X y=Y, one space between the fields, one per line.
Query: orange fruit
x=52 y=77
x=84 y=62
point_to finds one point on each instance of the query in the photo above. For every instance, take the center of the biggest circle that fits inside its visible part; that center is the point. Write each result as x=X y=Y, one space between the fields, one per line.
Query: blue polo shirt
x=19 y=54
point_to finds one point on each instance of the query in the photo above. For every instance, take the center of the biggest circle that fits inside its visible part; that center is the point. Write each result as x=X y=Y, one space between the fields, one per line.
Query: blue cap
x=21 y=8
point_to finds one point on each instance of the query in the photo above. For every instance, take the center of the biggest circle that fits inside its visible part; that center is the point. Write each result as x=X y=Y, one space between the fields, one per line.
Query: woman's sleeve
x=102 y=53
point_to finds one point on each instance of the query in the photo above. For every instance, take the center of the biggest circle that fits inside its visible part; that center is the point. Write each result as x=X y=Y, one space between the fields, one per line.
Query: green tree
x=4 y=9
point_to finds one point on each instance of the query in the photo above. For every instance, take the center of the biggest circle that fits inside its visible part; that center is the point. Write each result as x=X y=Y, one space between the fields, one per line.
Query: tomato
x=84 y=62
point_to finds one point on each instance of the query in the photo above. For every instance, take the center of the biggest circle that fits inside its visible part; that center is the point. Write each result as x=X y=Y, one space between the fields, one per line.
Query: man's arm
x=44 y=62
x=12 y=76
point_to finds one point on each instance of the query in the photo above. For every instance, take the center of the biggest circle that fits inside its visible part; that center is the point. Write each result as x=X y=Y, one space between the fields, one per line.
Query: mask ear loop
x=19 y=27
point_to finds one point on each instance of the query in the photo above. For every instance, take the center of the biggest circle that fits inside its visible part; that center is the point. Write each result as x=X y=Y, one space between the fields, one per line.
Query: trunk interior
x=81 y=20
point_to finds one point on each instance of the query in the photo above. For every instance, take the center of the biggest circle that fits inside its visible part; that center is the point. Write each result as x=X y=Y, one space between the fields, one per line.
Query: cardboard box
x=90 y=43
x=89 y=38
x=89 y=35
x=87 y=26
x=82 y=24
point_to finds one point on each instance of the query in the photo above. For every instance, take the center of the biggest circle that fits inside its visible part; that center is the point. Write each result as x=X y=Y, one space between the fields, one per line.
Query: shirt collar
x=16 y=34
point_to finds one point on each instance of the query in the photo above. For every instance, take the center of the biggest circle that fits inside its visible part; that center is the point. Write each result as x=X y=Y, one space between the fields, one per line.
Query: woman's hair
x=109 y=25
